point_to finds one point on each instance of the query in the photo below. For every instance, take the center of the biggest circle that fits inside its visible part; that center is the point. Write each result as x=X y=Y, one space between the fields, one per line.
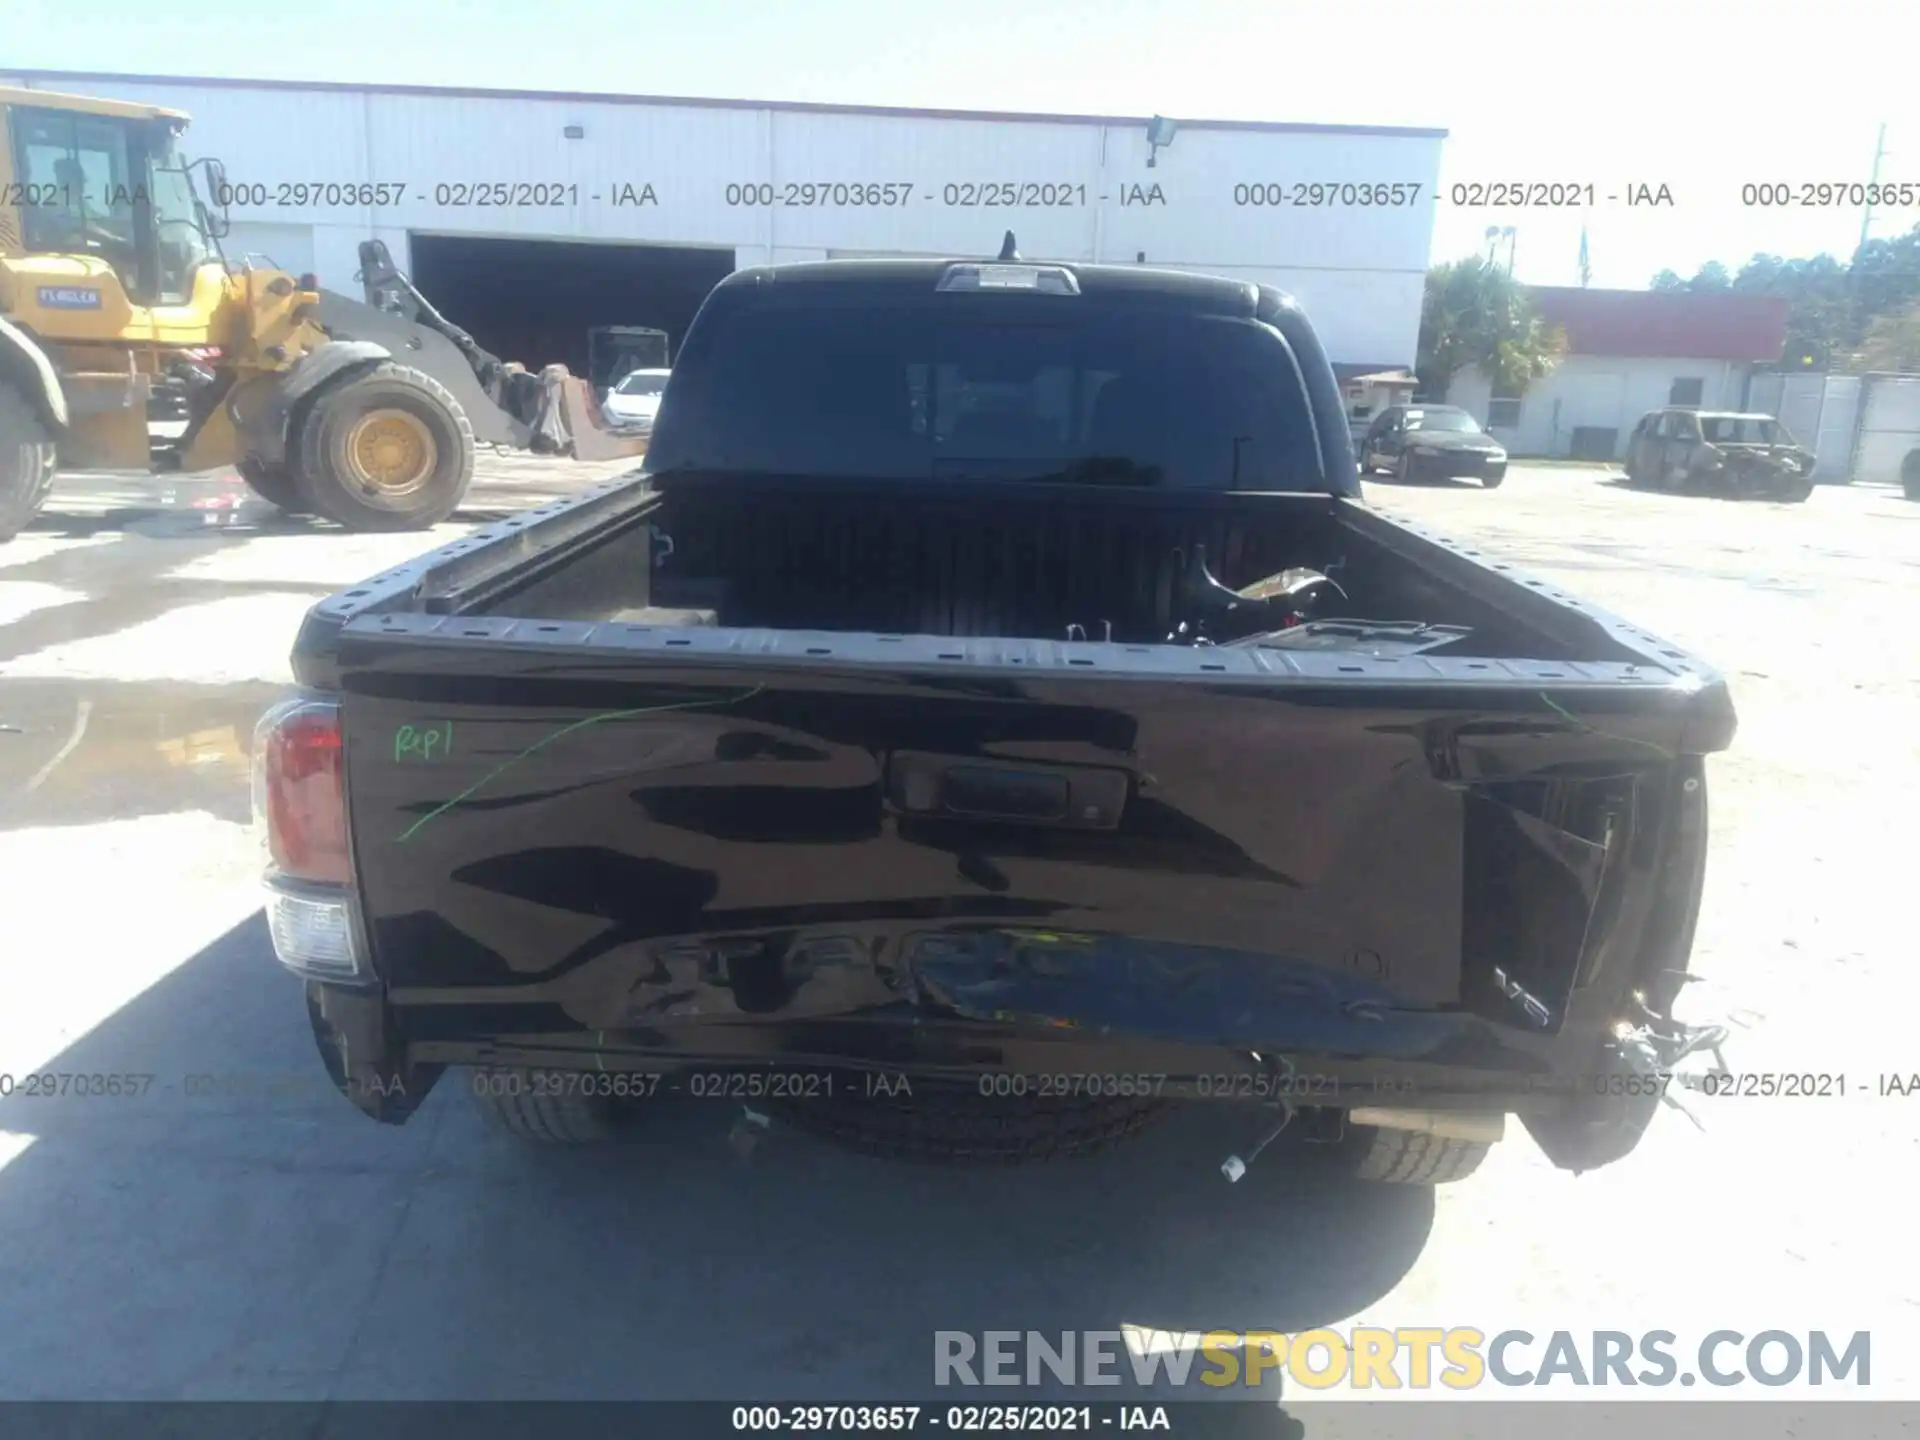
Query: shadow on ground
x=1621 y=482
x=265 y=1241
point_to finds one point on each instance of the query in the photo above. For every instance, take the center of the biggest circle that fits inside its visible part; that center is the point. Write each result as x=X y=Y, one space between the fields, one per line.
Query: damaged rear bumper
x=1586 y=1096
x=1548 y=995
x=1016 y=1012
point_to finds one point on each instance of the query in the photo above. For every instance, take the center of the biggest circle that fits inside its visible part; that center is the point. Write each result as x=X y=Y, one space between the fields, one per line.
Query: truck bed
x=633 y=826
x=1018 y=561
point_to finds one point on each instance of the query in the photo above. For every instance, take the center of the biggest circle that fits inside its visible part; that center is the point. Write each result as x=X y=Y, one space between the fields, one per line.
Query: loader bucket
x=423 y=348
x=584 y=432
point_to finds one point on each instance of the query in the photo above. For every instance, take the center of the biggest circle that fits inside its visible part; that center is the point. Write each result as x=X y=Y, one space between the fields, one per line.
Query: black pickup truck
x=991 y=718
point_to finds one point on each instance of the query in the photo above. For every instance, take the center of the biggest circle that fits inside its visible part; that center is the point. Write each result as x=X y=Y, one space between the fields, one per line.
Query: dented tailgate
x=615 y=839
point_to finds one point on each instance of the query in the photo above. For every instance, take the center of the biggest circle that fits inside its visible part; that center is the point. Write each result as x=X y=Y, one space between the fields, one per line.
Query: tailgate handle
x=1077 y=797
x=1004 y=794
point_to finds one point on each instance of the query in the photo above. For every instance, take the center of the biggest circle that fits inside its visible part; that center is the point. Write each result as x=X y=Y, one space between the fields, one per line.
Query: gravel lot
x=273 y=1244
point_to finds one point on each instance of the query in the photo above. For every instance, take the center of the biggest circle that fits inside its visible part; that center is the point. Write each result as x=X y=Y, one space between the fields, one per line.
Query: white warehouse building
x=528 y=217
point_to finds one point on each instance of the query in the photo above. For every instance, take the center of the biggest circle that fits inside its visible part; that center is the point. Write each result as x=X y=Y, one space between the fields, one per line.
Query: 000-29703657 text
x=1329 y=194
x=445 y=195
x=53 y=1084
x=1824 y=194
x=892 y=194
x=692 y=1083
x=952 y=1420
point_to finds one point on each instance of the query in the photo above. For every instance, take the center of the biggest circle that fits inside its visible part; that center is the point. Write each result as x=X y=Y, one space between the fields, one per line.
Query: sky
x=1696 y=95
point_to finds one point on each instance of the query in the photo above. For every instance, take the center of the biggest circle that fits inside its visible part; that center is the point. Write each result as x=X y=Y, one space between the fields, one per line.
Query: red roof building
x=1628 y=352
x=1666 y=324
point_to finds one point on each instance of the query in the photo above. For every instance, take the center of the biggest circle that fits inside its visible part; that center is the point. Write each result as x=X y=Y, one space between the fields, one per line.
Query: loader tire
x=557 y=1116
x=1407 y=1157
x=965 y=1127
x=275 y=484
x=27 y=461
x=385 y=449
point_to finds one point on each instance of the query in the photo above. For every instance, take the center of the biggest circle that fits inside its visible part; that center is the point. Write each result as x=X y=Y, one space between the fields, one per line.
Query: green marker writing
x=424 y=743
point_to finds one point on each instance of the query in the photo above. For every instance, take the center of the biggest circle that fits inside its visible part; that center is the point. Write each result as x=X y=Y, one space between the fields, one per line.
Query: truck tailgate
x=619 y=836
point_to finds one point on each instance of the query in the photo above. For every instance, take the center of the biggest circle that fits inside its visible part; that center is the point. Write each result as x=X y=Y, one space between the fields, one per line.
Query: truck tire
x=385 y=449
x=946 y=1126
x=509 y=1099
x=1408 y=1157
x=275 y=484
x=27 y=461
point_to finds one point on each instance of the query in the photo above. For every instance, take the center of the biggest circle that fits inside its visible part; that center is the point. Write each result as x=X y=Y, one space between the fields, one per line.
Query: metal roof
x=1665 y=324
x=463 y=92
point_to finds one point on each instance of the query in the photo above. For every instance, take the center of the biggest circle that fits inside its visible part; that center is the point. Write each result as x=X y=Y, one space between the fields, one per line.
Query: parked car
x=909 y=735
x=1724 y=451
x=634 y=401
x=1432 y=442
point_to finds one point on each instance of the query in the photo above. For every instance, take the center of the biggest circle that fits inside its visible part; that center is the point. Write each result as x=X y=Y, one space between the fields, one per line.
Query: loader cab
x=107 y=187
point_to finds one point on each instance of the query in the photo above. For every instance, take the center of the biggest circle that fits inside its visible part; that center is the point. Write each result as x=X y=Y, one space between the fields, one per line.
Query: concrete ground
x=271 y=1243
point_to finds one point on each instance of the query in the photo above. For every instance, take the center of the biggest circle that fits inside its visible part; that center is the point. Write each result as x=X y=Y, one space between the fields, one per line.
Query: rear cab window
x=963 y=387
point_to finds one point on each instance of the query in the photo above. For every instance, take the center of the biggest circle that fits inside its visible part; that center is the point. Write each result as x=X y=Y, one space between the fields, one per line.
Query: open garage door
x=535 y=300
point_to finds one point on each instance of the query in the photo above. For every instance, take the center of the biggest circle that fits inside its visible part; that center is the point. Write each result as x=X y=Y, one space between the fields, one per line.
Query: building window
x=1688 y=391
x=1503 y=409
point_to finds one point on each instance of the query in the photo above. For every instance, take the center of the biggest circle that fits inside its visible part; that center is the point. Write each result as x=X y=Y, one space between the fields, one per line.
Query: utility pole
x=1866 y=211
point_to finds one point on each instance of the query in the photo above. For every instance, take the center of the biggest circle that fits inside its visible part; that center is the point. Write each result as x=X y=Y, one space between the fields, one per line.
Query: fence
x=1860 y=427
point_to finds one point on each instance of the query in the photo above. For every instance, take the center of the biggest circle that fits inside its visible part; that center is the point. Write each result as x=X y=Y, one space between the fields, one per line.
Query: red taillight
x=303 y=797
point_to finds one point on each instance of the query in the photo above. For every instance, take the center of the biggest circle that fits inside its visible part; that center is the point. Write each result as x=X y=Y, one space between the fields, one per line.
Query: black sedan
x=1432 y=442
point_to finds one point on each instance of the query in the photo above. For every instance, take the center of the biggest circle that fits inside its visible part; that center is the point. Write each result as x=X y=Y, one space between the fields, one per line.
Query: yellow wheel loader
x=115 y=300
